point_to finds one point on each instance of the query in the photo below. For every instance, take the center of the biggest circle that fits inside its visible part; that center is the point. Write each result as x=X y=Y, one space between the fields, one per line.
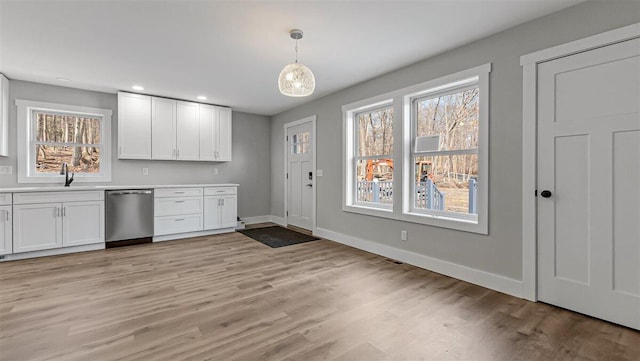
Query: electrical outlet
x=145 y=171
x=403 y=235
x=6 y=169
x=319 y=172
x=215 y=170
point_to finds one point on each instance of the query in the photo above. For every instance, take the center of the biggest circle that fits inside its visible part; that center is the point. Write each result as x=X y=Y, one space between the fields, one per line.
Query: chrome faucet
x=65 y=170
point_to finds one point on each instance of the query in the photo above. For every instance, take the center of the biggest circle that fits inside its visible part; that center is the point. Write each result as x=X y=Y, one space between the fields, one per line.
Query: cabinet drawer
x=5 y=199
x=177 y=205
x=50 y=197
x=178 y=192
x=177 y=224
x=214 y=191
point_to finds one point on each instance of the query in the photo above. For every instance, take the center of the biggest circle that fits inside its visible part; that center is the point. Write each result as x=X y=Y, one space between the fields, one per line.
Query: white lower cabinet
x=39 y=226
x=6 y=234
x=177 y=210
x=220 y=208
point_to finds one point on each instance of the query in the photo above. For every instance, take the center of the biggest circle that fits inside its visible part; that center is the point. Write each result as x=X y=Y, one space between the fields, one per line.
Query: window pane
x=49 y=159
x=66 y=128
x=447 y=183
x=452 y=117
x=375 y=132
x=374 y=181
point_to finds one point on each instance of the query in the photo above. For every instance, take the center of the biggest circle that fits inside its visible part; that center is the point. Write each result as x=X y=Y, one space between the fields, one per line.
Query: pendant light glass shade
x=296 y=80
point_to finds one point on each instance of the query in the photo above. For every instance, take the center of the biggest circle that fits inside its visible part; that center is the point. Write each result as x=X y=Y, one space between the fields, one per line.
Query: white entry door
x=589 y=182
x=300 y=176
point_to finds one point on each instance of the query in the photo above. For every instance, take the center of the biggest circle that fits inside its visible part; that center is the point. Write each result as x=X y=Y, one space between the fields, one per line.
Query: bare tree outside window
x=69 y=138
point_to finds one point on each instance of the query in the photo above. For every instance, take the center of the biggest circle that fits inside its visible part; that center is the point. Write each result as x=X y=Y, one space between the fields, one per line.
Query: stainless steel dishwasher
x=129 y=217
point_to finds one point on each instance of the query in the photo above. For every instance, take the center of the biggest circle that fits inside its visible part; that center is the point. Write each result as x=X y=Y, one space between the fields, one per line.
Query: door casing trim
x=529 y=63
x=311 y=119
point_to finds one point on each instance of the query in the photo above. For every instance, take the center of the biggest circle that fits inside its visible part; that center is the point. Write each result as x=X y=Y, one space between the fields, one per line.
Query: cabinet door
x=212 y=212
x=163 y=128
x=224 y=135
x=37 y=227
x=228 y=211
x=134 y=126
x=82 y=223
x=188 y=131
x=208 y=122
x=6 y=244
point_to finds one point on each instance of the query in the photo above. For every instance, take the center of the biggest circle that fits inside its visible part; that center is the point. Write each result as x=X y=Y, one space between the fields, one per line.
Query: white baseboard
x=52 y=252
x=279 y=220
x=256 y=219
x=493 y=281
x=171 y=237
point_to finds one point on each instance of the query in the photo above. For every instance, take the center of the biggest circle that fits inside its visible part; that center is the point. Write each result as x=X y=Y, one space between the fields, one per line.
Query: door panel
x=208 y=120
x=224 y=134
x=626 y=212
x=163 y=128
x=83 y=223
x=301 y=175
x=47 y=234
x=588 y=157
x=228 y=211
x=6 y=242
x=211 y=212
x=188 y=131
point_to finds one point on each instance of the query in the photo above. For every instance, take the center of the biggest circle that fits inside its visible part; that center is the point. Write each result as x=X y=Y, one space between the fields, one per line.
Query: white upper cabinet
x=208 y=121
x=215 y=133
x=163 y=128
x=168 y=129
x=4 y=116
x=188 y=129
x=224 y=135
x=134 y=126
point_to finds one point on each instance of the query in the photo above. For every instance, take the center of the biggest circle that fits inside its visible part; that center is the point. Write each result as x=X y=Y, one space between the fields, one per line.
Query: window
x=300 y=143
x=371 y=156
x=54 y=134
x=445 y=132
x=441 y=175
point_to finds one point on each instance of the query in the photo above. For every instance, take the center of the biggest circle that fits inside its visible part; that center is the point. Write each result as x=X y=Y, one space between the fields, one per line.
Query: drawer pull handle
x=179 y=201
x=178 y=192
x=179 y=219
x=220 y=191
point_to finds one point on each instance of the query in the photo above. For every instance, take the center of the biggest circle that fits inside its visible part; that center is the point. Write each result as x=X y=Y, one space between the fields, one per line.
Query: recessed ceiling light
x=202 y=97
x=63 y=79
x=137 y=87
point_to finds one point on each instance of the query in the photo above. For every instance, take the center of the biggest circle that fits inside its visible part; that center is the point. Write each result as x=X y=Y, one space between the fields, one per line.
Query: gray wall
x=501 y=251
x=250 y=166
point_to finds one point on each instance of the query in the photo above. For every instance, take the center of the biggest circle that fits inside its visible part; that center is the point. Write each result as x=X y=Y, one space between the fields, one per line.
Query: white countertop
x=109 y=187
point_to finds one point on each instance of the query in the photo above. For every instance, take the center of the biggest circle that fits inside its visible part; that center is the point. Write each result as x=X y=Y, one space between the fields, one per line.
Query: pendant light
x=296 y=80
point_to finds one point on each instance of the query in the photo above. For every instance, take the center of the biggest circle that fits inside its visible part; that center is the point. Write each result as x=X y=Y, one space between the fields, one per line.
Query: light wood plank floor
x=228 y=297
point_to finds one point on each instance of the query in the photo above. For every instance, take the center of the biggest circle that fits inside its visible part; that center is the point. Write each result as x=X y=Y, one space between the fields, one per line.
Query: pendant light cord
x=296 y=51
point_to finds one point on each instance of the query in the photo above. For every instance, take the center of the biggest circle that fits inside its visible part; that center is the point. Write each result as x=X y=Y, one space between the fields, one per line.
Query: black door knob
x=545 y=194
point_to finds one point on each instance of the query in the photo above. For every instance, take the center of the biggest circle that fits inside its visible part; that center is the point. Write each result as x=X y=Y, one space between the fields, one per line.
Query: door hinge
x=287 y=138
x=287 y=175
x=535 y=193
x=287 y=213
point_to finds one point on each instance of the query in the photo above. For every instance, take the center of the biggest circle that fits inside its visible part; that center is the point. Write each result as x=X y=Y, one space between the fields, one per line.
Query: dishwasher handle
x=120 y=193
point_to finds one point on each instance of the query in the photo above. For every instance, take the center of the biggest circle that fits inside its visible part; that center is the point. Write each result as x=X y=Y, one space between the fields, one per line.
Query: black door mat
x=276 y=236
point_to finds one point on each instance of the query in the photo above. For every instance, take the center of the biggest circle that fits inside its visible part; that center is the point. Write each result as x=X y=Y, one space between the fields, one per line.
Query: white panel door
x=82 y=223
x=300 y=176
x=37 y=227
x=163 y=128
x=188 y=131
x=134 y=126
x=208 y=115
x=6 y=242
x=224 y=135
x=589 y=170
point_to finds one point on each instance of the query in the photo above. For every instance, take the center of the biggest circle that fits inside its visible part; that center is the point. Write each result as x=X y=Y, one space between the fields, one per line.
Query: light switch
x=145 y=171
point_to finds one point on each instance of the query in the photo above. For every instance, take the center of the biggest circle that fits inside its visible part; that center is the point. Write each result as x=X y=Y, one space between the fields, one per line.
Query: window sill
x=479 y=227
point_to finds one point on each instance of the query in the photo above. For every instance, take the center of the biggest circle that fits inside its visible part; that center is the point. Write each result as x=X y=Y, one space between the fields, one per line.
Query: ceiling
x=232 y=52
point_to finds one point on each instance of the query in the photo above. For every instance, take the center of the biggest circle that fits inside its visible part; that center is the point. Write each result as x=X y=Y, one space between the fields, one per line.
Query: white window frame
x=403 y=151
x=350 y=141
x=26 y=141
